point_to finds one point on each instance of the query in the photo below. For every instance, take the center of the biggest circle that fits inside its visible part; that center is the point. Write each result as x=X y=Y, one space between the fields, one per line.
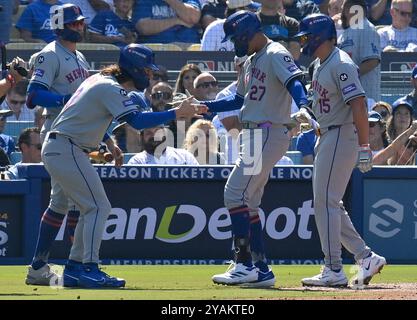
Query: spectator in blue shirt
x=6 y=142
x=9 y=7
x=35 y=22
x=167 y=21
x=298 y=9
x=30 y=147
x=113 y=27
x=305 y=144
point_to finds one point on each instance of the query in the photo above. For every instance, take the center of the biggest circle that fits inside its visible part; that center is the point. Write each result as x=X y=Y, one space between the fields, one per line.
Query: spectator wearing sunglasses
x=16 y=102
x=30 y=146
x=384 y=109
x=399 y=36
x=157 y=76
x=34 y=24
x=205 y=87
x=161 y=95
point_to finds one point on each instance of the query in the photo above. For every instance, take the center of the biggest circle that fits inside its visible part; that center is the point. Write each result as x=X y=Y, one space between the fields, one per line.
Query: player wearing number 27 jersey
x=266 y=86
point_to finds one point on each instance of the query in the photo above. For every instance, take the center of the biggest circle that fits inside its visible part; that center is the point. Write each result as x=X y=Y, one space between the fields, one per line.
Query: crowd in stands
x=387 y=26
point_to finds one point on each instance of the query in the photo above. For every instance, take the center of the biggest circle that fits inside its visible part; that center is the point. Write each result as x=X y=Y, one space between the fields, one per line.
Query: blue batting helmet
x=314 y=30
x=240 y=28
x=133 y=60
x=70 y=13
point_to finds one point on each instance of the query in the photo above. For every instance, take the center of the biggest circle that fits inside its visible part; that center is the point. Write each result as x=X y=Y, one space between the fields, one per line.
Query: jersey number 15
x=324 y=105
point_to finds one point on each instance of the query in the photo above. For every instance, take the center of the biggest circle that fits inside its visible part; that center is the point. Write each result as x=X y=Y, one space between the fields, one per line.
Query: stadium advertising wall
x=10 y=227
x=178 y=214
x=390 y=217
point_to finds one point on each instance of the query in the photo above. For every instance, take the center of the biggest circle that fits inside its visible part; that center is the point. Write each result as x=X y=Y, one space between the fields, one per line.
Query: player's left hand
x=188 y=109
x=117 y=154
x=364 y=158
x=302 y=116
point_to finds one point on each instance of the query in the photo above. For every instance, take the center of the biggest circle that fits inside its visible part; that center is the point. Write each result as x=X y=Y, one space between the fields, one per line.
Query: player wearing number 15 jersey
x=339 y=105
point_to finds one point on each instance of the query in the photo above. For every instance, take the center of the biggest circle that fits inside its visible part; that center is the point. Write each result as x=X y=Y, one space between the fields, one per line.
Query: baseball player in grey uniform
x=362 y=42
x=339 y=106
x=264 y=94
x=76 y=131
x=59 y=69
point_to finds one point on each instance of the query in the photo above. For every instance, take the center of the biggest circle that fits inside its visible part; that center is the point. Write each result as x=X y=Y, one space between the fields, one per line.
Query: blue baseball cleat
x=265 y=280
x=92 y=277
x=72 y=273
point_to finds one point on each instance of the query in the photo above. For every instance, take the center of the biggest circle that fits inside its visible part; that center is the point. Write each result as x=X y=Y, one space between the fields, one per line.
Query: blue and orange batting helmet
x=70 y=14
x=314 y=30
x=133 y=60
x=240 y=28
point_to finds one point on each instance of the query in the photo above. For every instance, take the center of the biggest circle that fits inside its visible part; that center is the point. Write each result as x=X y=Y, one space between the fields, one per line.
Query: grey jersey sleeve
x=117 y=101
x=46 y=68
x=284 y=67
x=347 y=79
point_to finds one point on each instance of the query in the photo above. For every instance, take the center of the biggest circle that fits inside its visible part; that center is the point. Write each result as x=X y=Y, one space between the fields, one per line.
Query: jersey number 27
x=256 y=92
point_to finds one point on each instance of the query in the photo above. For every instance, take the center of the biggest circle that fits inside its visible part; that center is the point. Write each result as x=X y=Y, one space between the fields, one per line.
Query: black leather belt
x=333 y=127
x=52 y=135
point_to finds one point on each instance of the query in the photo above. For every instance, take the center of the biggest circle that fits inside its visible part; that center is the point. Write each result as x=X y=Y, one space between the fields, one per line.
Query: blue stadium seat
x=295 y=156
x=127 y=156
x=15 y=157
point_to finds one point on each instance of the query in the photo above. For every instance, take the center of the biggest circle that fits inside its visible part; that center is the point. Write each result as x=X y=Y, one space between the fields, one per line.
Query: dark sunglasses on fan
x=161 y=95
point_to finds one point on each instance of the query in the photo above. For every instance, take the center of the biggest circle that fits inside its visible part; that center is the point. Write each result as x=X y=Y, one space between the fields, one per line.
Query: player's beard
x=211 y=96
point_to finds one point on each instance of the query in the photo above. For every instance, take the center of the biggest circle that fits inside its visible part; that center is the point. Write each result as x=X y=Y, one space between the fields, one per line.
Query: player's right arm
x=125 y=108
x=228 y=103
x=38 y=93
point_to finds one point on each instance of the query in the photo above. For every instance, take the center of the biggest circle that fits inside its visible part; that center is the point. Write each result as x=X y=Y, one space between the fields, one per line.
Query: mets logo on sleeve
x=41 y=59
x=287 y=59
x=123 y=92
x=349 y=88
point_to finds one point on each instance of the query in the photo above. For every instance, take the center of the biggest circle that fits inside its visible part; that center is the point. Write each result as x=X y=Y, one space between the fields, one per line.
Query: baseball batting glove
x=364 y=158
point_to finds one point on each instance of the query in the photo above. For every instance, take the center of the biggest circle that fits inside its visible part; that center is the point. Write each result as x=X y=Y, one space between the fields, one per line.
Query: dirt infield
x=380 y=291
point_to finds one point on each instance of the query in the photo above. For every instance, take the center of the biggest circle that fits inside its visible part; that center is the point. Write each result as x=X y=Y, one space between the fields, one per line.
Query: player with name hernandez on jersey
x=77 y=130
x=340 y=109
x=269 y=81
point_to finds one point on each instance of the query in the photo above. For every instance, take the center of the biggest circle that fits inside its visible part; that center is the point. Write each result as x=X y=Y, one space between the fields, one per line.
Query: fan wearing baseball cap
x=377 y=136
